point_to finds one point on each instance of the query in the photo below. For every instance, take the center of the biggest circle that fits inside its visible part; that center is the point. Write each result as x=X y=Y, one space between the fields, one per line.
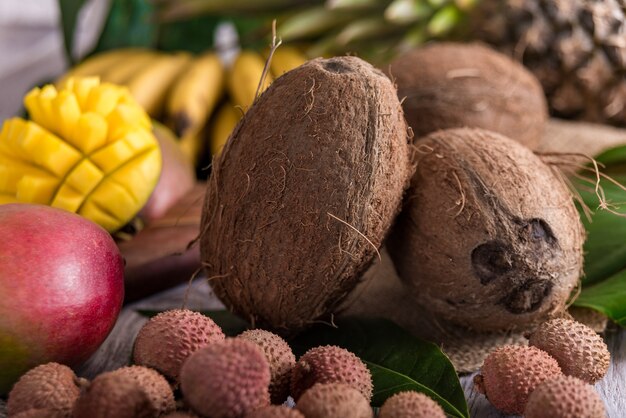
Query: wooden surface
x=116 y=351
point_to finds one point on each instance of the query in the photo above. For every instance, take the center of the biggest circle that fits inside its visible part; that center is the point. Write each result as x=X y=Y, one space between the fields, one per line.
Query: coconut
x=490 y=238
x=304 y=192
x=451 y=85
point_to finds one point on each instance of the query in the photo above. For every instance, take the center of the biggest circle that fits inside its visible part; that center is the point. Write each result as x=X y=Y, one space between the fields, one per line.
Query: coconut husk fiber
x=381 y=292
x=304 y=192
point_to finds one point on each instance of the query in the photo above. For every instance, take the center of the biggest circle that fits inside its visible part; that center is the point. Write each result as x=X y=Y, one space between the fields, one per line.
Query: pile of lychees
x=552 y=377
x=186 y=367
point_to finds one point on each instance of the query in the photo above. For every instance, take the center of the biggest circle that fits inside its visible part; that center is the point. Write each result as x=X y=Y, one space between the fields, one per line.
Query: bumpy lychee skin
x=154 y=384
x=577 y=348
x=334 y=400
x=275 y=411
x=330 y=364
x=179 y=414
x=410 y=405
x=40 y=413
x=48 y=386
x=170 y=337
x=114 y=395
x=281 y=359
x=564 y=397
x=510 y=373
x=226 y=379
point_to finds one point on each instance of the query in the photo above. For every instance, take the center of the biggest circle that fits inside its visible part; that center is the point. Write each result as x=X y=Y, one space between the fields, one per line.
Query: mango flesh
x=87 y=149
x=62 y=287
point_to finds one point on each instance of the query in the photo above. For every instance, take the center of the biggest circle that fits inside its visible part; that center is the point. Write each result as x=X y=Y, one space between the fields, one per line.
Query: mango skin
x=61 y=288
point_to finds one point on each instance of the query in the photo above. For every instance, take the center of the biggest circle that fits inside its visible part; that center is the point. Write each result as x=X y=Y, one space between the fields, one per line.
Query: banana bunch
x=199 y=97
x=375 y=29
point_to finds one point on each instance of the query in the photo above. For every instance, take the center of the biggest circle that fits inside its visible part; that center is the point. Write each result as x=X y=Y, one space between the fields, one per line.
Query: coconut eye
x=539 y=230
x=491 y=260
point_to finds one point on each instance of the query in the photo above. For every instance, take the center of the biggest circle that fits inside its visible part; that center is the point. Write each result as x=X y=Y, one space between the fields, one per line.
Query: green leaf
x=608 y=297
x=605 y=246
x=397 y=360
x=69 y=15
x=130 y=23
x=231 y=324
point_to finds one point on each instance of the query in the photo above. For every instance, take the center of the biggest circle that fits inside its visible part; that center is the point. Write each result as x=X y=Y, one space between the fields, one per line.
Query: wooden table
x=116 y=351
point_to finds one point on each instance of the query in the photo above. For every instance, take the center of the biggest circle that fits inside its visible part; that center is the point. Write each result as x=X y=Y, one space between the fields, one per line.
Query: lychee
x=154 y=384
x=114 y=395
x=410 y=404
x=48 y=386
x=334 y=400
x=281 y=360
x=330 y=364
x=275 y=411
x=564 y=397
x=511 y=372
x=41 y=413
x=226 y=379
x=577 y=348
x=169 y=338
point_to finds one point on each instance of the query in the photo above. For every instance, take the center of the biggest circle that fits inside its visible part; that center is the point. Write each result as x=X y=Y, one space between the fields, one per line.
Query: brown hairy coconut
x=304 y=192
x=452 y=85
x=490 y=238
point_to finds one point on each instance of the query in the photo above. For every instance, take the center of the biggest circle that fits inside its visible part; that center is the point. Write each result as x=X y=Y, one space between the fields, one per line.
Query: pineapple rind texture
x=577 y=49
x=88 y=148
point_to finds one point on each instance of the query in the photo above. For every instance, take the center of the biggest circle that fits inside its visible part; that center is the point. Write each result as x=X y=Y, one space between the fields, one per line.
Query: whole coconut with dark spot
x=304 y=192
x=489 y=238
x=452 y=85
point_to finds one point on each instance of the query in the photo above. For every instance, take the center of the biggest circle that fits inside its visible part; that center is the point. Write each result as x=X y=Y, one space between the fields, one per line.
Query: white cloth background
x=31 y=45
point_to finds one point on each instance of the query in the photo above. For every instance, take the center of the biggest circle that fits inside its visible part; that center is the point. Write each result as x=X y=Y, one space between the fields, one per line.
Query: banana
x=192 y=100
x=150 y=85
x=195 y=94
x=126 y=69
x=98 y=64
x=286 y=58
x=225 y=120
x=244 y=79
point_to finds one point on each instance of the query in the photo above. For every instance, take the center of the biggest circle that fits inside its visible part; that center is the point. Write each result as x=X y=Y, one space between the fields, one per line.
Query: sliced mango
x=66 y=112
x=36 y=189
x=141 y=170
x=84 y=177
x=68 y=198
x=88 y=149
x=112 y=156
x=90 y=132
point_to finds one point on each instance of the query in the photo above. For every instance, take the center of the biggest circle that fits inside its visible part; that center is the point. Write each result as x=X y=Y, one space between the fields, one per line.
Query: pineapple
x=577 y=48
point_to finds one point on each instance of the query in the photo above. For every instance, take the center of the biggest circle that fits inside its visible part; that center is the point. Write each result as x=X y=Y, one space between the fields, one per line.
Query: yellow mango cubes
x=87 y=148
